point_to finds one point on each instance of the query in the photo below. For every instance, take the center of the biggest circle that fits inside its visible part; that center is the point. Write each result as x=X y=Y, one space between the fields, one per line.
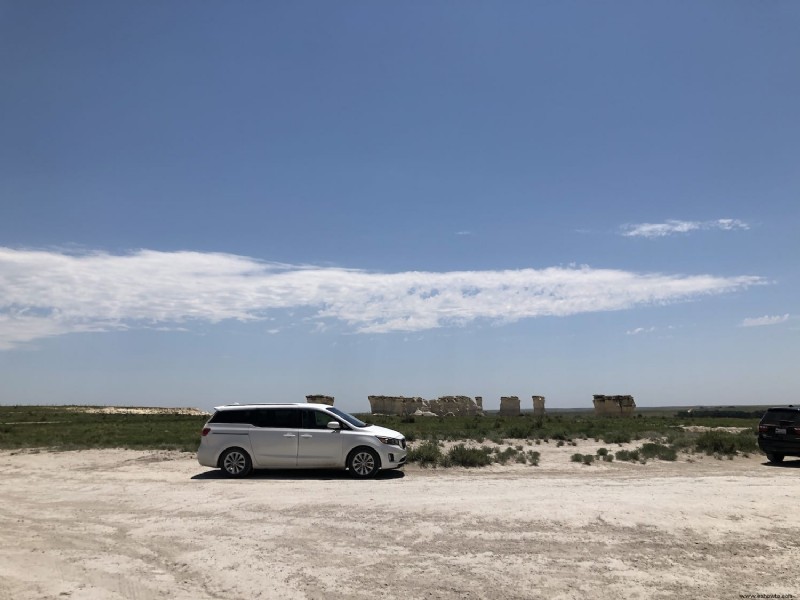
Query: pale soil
x=111 y=524
x=135 y=410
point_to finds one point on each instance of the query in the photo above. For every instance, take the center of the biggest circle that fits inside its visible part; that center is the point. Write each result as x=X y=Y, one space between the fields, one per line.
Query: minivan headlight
x=389 y=441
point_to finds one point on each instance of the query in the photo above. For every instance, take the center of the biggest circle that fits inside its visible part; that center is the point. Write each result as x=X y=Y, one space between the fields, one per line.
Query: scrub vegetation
x=472 y=441
x=657 y=437
x=430 y=454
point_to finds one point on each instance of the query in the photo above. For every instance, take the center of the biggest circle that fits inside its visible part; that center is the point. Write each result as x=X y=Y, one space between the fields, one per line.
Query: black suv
x=779 y=433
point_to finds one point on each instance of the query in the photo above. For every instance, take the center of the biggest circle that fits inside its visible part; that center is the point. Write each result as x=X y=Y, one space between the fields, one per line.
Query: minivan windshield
x=345 y=417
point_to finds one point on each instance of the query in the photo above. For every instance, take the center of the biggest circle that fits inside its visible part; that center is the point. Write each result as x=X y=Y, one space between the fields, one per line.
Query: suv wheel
x=774 y=458
x=236 y=463
x=363 y=463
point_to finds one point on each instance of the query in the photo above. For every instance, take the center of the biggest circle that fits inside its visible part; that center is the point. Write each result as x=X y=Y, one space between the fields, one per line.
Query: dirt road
x=118 y=524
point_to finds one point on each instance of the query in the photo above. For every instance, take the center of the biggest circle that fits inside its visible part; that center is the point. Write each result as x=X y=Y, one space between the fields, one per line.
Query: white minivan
x=241 y=437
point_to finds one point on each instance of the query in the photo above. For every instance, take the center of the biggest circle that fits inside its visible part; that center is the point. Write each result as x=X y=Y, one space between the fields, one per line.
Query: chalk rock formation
x=319 y=399
x=538 y=406
x=614 y=406
x=509 y=406
x=457 y=405
x=424 y=413
x=442 y=406
x=395 y=405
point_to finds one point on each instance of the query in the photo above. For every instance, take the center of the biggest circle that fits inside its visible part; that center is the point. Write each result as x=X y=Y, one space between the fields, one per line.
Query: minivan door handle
x=289 y=435
x=306 y=435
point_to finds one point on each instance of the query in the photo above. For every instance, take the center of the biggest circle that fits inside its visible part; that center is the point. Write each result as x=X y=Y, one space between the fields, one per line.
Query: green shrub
x=588 y=459
x=723 y=442
x=533 y=457
x=659 y=451
x=616 y=437
x=462 y=456
x=608 y=457
x=426 y=454
x=505 y=455
x=602 y=452
x=519 y=431
x=627 y=455
x=577 y=458
x=680 y=440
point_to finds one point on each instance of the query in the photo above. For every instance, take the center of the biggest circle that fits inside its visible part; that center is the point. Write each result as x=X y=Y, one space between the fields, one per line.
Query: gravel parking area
x=114 y=524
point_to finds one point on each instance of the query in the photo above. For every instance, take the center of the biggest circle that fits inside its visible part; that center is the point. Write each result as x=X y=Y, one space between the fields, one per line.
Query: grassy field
x=69 y=428
x=65 y=428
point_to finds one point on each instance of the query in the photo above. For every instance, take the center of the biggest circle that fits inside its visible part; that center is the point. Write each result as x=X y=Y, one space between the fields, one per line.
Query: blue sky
x=253 y=201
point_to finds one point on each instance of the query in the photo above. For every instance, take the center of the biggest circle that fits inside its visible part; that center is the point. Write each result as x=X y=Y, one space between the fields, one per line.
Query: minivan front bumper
x=392 y=457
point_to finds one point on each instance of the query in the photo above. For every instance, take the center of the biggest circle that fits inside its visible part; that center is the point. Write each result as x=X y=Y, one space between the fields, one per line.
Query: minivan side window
x=278 y=418
x=316 y=419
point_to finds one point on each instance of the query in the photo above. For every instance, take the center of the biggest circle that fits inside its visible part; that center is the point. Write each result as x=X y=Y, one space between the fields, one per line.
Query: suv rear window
x=777 y=416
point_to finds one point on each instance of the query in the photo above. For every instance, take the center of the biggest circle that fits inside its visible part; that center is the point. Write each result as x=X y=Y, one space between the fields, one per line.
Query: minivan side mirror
x=334 y=425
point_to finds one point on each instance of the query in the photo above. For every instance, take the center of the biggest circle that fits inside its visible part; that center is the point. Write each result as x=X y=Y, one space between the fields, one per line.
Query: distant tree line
x=721 y=414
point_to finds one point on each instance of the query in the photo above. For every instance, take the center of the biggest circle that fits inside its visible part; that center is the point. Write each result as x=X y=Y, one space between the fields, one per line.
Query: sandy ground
x=144 y=525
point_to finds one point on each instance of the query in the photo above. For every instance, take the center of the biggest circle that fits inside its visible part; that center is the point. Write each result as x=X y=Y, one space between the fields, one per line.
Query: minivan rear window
x=234 y=416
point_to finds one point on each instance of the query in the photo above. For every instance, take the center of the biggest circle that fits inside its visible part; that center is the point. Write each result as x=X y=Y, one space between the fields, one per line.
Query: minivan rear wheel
x=363 y=463
x=774 y=457
x=236 y=463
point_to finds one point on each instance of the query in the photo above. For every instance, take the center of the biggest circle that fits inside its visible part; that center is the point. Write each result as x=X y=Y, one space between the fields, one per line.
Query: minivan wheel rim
x=363 y=463
x=234 y=463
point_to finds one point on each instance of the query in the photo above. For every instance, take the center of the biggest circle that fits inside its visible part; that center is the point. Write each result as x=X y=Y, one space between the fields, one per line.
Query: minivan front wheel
x=363 y=463
x=774 y=457
x=236 y=463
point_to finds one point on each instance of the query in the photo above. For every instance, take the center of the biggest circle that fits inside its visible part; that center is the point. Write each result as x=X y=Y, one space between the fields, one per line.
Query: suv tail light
x=766 y=428
x=205 y=431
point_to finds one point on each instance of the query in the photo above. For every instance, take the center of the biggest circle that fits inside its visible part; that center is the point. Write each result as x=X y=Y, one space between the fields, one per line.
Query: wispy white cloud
x=640 y=330
x=673 y=227
x=463 y=232
x=48 y=293
x=727 y=224
x=765 y=320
